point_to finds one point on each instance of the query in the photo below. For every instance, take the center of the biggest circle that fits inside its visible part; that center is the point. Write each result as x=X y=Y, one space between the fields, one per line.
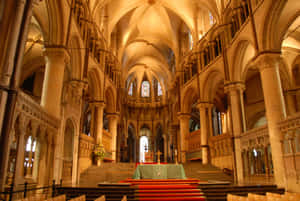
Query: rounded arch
x=57 y=21
x=189 y=97
x=295 y=71
x=76 y=57
x=280 y=16
x=210 y=85
x=32 y=66
x=94 y=84
x=110 y=100
x=243 y=54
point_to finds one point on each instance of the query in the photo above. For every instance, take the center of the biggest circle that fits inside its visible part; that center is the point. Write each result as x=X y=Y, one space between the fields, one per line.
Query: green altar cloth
x=162 y=171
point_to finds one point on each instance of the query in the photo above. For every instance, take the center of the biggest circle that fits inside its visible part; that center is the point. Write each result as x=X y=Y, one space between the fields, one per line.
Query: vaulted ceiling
x=148 y=31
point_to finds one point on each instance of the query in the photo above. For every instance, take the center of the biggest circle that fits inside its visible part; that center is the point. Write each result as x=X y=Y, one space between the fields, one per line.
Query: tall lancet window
x=159 y=91
x=191 y=41
x=145 y=89
x=211 y=18
x=130 y=91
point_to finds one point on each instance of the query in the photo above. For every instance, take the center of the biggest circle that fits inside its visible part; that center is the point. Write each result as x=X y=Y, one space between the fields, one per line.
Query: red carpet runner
x=167 y=189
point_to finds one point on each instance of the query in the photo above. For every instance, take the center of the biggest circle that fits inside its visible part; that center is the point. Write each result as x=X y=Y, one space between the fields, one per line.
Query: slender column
x=165 y=147
x=170 y=142
x=291 y=102
x=204 y=131
x=268 y=65
x=113 y=126
x=43 y=158
x=12 y=56
x=209 y=123
x=56 y=59
x=19 y=171
x=30 y=165
x=234 y=91
x=184 y=130
x=266 y=161
x=100 y=107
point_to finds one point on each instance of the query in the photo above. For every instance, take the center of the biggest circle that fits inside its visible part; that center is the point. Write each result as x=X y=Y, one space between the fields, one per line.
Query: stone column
x=56 y=59
x=268 y=65
x=234 y=90
x=203 y=107
x=100 y=107
x=184 y=130
x=113 y=126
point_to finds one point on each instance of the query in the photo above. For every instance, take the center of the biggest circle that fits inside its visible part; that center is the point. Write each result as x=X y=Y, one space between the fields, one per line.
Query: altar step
x=205 y=172
x=107 y=172
x=166 y=189
x=159 y=181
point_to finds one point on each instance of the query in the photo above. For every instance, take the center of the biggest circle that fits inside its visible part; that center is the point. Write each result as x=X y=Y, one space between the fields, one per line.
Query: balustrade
x=290 y=128
x=256 y=152
x=208 y=52
x=31 y=110
x=221 y=150
x=95 y=41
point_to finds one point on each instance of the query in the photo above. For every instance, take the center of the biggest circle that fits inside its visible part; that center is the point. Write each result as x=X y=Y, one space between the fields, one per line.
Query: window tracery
x=130 y=91
x=145 y=89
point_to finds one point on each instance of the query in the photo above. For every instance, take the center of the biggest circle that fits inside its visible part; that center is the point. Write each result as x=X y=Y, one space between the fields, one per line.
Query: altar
x=159 y=171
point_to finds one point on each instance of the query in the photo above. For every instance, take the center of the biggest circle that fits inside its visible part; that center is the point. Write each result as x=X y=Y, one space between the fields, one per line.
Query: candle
x=175 y=151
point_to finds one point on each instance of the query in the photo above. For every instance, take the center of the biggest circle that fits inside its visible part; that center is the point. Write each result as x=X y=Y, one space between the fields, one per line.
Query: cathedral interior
x=211 y=82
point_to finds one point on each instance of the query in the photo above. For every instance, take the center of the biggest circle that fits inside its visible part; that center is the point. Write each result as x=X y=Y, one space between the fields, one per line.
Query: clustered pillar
x=113 y=126
x=184 y=130
x=56 y=59
x=100 y=108
x=204 y=109
x=268 y=65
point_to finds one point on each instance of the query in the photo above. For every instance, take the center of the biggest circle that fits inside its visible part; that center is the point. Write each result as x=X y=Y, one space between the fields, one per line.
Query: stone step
x=107 y=172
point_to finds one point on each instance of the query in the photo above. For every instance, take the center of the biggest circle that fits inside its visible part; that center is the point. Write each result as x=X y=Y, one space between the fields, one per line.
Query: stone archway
x=131 y=144
x=159 y=143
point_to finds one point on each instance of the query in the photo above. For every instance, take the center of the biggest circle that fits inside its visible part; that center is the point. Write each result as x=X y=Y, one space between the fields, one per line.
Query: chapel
x=110 y=83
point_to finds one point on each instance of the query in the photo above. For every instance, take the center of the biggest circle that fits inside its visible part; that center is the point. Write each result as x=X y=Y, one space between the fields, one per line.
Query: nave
x=90 y=88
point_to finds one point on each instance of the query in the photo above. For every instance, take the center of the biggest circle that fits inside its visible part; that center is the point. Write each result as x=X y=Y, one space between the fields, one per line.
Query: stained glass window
x=159 y=91
x=130 y=91
x=145 y=89
x=211 y=19
x=28 y=144
x=191 y=41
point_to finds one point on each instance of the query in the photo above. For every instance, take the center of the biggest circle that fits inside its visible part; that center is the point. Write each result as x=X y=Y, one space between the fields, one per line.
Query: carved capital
x=98 y=103
x=113 y=116
x=290 y=134
x=204 y=105
x=234 y=86
x=56 y=54
x=267 y=60
x=183 y=116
